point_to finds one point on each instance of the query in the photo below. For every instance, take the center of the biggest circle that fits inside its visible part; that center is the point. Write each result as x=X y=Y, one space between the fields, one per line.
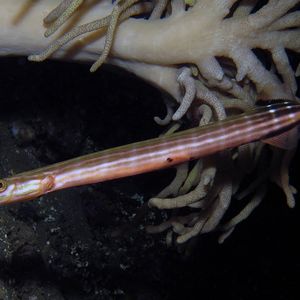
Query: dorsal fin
x=287 y=140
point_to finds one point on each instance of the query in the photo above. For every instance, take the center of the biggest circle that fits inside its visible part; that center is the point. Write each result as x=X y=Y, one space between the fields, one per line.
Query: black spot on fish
x=169 y=159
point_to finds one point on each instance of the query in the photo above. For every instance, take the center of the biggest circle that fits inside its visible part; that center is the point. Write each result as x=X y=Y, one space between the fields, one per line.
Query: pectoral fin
x=47 y=183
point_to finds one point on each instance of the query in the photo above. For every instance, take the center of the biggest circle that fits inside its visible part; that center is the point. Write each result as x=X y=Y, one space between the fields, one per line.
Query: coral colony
x=215 y=58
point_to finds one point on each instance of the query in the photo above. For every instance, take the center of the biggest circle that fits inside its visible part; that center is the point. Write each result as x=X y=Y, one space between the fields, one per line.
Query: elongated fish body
x=154 y=154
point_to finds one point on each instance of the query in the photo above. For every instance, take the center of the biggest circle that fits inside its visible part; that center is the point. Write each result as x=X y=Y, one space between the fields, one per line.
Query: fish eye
x=3 y=185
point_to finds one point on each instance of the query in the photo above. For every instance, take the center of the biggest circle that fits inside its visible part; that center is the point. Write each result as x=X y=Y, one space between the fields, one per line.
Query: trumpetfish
x=269 y=123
